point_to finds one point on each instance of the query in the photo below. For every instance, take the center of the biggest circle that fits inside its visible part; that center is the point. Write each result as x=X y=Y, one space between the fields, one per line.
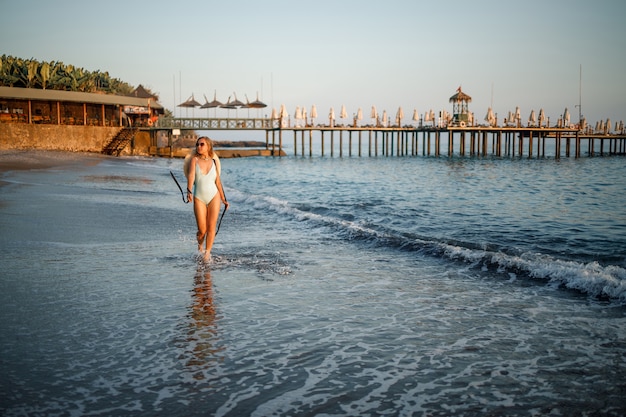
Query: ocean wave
x=603 y=282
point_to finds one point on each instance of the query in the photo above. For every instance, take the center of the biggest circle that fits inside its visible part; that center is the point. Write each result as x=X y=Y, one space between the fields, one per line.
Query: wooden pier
x=473 y=141
x=373 y=141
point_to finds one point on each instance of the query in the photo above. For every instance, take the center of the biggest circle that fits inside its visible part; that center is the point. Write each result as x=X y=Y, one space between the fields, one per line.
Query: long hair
x=194 y=152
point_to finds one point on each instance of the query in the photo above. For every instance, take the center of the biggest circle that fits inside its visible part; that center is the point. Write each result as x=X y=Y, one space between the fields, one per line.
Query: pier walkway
x=513 y=141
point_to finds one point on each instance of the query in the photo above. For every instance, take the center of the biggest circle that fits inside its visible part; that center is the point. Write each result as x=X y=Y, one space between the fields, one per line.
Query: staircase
x=119 y=141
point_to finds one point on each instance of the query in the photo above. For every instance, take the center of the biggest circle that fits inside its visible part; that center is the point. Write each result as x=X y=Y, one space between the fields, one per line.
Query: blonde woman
x=202 y=169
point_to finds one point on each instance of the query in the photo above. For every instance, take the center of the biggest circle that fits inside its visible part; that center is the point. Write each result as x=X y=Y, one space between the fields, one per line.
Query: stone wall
x=66 y=138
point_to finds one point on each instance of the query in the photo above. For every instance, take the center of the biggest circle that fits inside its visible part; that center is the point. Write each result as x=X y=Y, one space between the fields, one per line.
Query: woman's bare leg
x=200 y=210
x=212 y=213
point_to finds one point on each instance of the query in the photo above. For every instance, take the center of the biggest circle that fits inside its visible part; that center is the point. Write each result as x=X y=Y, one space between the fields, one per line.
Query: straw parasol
x=190 y=103
x=211 y=104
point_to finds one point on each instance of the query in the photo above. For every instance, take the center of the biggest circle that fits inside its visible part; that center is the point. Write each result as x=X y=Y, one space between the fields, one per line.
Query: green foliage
x=54 y=75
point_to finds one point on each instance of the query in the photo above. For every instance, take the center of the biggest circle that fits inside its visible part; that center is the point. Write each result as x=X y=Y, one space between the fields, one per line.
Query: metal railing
x=197 y=123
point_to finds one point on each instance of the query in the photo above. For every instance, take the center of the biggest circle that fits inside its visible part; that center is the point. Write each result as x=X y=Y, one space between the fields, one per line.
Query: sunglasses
x=200 y=144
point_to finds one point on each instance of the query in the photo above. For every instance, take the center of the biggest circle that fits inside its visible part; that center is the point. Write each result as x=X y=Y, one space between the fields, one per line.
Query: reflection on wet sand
x=202 y=336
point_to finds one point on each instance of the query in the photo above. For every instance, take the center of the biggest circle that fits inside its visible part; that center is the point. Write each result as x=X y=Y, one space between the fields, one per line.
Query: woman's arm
x=218 y=164
x=191 y=177
x=220 y=189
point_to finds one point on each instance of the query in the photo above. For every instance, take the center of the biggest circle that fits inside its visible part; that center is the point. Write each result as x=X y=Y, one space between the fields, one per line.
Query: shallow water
x=374 y=286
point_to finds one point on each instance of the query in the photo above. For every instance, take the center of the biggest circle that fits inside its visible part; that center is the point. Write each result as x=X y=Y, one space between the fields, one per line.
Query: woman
x=202 y=169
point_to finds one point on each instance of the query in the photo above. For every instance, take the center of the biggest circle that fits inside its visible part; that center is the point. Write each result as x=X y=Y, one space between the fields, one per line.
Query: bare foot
x=207 y=257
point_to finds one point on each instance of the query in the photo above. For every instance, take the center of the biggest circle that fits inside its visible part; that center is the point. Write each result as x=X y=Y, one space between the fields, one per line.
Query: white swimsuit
x=204 y=187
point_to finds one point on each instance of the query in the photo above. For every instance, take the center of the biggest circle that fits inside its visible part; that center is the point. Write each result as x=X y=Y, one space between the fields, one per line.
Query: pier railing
x=217 y=123
x=415 y=140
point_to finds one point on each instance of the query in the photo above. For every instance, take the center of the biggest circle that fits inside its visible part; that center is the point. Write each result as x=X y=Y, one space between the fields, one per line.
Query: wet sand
x=14 y=160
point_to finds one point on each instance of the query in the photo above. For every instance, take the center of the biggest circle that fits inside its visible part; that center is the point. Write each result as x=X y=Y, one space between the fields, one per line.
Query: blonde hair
x=194 y=152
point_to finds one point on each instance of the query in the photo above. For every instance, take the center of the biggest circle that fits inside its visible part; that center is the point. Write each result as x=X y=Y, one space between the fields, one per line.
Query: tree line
x=55 y=75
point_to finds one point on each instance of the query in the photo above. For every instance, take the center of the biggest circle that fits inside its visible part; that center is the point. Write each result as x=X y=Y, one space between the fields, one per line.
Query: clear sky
x=360 y=54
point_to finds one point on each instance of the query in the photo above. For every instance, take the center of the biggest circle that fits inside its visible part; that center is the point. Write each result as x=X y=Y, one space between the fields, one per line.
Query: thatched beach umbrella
x=228 y=106
x=236 y=104
x=189 y=103
x=211 y=104
x=256 y=104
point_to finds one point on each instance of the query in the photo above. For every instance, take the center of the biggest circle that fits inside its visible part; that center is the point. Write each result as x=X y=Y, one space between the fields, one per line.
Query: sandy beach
x=13 y=160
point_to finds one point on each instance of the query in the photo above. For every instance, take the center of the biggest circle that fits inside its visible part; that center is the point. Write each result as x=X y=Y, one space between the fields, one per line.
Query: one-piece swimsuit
x=204 y=188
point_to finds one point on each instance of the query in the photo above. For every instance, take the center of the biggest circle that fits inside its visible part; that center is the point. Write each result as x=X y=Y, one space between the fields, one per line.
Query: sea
x=339 y=286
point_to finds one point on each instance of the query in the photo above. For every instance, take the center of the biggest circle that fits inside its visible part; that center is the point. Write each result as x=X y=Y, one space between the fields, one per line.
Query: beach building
x=32 y=105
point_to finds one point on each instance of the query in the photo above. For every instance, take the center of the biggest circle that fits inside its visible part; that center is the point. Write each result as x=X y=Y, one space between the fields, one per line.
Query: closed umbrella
x=385 y=118
x=416 y=116
x=343 y=113
x=297 y=115
x=359 y=114
x=313 y=113
x=532 y=119
x=542 y=117
x=399 y=116
x=566 y=118
x=331 y=117
x=282 y=114
x=490 y=118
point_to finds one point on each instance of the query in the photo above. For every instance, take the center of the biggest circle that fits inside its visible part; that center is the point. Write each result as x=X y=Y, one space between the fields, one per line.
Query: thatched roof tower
x=460 y=108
